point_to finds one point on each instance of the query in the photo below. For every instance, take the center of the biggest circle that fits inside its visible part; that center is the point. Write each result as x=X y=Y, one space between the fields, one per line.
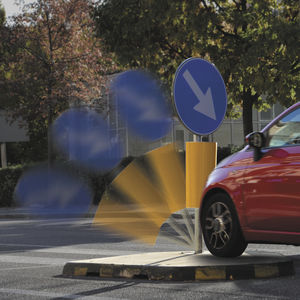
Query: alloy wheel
x=218 y=225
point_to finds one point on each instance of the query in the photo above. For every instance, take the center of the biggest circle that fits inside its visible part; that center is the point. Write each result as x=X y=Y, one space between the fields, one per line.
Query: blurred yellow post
x=200 y=161
x=143 y=196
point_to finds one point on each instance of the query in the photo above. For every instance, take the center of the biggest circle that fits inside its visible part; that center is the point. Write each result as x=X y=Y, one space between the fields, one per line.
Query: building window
x=266 y=115
x=271 y=113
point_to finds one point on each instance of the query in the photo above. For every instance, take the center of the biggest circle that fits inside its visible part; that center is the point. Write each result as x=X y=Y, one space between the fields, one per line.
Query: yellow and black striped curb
x=181 y=273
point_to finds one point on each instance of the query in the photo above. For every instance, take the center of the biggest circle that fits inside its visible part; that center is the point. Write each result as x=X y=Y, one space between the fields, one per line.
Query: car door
x=272 y=184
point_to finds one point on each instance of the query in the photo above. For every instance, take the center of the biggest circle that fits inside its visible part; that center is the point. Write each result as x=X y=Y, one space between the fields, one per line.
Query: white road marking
x=52 y=295
x=68 y=250
x=25 y=245
x=24 y=268
x=100 y=252
x=32 y=260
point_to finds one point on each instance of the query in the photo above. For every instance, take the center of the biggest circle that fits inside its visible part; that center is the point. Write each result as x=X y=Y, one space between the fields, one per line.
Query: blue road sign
x=200 y=96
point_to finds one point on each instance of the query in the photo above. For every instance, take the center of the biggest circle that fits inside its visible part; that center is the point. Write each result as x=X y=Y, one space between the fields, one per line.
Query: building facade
x=229 y=134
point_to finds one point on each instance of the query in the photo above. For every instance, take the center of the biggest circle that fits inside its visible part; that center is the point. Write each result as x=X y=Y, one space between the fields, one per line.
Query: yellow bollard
x=200 y=160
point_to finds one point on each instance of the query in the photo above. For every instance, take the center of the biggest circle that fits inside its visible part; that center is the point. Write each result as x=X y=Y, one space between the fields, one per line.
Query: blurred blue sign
x=142 y=104
x=53 y=193
x=200 y=96
x=86 y=139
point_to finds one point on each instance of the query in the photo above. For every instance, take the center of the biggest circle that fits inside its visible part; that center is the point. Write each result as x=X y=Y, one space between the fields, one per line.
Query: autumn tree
x=56 y=61
x=2 y=21
x=2 y=15
x=255 y=44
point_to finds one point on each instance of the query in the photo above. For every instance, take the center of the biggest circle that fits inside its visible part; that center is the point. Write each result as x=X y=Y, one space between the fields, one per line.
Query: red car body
x=266 y=192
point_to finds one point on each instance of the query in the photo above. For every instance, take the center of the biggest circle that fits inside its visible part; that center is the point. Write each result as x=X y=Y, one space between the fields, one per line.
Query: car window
x=286 y=131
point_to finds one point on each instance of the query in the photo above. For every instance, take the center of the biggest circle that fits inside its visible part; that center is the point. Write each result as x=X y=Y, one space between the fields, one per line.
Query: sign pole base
x=198 y=233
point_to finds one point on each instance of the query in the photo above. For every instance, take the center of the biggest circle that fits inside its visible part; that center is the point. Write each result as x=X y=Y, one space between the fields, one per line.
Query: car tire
x=221 y=228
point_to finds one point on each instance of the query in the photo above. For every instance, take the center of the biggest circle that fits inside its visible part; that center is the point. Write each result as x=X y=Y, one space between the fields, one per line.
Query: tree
x=2 y=15
x=55 y=61
x=254 y=44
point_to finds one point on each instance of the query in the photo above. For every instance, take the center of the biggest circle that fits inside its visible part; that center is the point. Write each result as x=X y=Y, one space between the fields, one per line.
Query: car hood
x=230 y=159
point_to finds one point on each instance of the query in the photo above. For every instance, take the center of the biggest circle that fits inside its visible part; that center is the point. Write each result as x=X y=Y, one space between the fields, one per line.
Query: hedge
x=223 y=152
x=8 y=180
x=98 y=182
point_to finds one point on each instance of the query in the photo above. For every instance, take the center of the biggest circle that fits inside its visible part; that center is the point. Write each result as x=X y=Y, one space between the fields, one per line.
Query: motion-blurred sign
x=200 y=96
x=142 y=104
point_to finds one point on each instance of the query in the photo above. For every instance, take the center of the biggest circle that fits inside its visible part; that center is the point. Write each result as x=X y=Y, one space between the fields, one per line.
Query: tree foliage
x=255 y=44
x=53 y=60
x=2 y=15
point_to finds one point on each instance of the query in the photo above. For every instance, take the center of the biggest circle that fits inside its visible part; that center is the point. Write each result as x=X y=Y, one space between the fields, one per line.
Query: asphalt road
x=33 y=253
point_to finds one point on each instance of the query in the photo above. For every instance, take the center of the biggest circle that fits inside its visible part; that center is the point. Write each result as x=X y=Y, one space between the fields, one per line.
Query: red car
x=254 y=195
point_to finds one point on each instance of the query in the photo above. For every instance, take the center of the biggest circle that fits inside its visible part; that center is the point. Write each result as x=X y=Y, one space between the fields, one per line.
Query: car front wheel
x=221 y=229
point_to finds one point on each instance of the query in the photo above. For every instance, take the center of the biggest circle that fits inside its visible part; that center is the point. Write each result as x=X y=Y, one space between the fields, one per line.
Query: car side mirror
x=257 y=141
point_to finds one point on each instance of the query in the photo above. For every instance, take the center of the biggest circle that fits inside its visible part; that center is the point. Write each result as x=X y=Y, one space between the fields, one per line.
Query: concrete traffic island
x=183 y=266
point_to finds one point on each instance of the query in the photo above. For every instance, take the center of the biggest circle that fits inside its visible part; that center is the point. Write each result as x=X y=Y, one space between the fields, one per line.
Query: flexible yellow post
x=200 y=161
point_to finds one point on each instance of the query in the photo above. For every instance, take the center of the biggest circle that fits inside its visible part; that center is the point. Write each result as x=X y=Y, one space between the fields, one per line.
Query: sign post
x=201 y=101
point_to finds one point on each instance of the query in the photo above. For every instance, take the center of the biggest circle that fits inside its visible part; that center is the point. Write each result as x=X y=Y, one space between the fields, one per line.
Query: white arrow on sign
x=206 y=104
x=149 y=111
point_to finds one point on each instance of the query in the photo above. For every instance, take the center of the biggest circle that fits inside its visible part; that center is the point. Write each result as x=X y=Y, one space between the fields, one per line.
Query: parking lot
x=33 y=253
